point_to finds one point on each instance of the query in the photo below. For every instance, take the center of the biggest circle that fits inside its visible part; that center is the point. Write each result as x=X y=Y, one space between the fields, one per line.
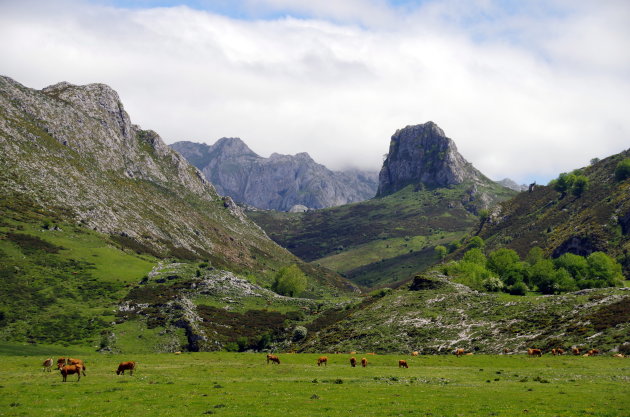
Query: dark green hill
x=598 y=219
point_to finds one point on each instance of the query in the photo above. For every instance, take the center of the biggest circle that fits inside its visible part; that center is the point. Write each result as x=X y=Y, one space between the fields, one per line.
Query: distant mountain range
x=280 y=182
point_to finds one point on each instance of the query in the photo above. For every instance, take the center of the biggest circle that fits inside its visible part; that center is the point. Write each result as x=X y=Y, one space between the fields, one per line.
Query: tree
x=290 y=281
x=594 y=161
x=622 y=171
x=603 y=267
x=475 y=256
x=564 y=182
x=476 y=242
x=441 y=251
x=580 y=184
x=542 y=272
x=502 y=260
x=534 y=255
x=575 y=265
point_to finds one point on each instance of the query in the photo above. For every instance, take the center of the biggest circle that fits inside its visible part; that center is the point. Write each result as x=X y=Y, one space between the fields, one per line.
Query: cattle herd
x=71 y=366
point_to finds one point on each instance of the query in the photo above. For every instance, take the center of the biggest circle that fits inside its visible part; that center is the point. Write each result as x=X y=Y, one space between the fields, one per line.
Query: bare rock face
x=279 y=182
x=422 y=154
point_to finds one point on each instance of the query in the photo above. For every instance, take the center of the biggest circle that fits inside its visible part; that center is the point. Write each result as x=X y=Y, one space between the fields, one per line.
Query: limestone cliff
x=422 y=154
x=279 y=182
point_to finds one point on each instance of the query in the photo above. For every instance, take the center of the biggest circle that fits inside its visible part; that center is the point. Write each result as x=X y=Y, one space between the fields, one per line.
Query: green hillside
x=383 y=240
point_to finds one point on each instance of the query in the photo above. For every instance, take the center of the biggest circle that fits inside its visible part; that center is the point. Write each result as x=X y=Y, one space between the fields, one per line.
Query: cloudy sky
x=527 y=89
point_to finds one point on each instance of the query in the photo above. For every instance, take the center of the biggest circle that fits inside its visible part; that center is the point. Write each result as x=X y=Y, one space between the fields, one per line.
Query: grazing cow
x=364 y=362
x=593 y=352
x=559 y=351
x=506 y=351
x=459 y=352
x=353 y=353
x=554 y=352
x=178 y=353
x=534 y=352
x=61 y=362
x=273 y=358
x=468 y=354
x=402 y=364
x=123 y=366
x=575 y=351
x=618 y=355
x=71 y=361
x=322 y=359
x=414 y=353
x=48 y=363
x=71 y=369
x=353 y=361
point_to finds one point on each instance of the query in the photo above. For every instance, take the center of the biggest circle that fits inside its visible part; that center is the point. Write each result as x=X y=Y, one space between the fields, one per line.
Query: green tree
x=603 y=267
x=622 y=171
x=475 y=256
x=290 y=281
x=476 y=242
x=534 y=255
x=580 y=184
x=519 y=288
x=575 y=265
x=502 y=260
x=441 y=251
x=564 y=182
x=542 y=272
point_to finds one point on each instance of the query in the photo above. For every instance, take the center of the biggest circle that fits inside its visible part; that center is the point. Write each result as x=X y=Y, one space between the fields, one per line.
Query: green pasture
x=242 y=384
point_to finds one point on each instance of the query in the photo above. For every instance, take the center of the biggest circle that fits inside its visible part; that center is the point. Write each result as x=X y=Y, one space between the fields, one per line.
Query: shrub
x=290 y=281
x=580 y=184
x=519 y=288
x=476 y=242
x=622 y=171
x=441 y=251
x=575 y=265
x=475 y=256
x=603 y=267
x=493 y=284
x=503 y=260
x=299 y=333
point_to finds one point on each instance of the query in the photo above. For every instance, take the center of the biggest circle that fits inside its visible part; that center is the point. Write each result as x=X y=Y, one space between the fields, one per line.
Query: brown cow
x=414 y=353
x=353 y=361
x=273 y=358
x=459 y=352
x=560 y=351
x=123 y=366
x=322 y=359
x=554 y=352
x=593 y=352
x=71 y=369
x=72 y=361
x=534 y=352
x=618 y=355
x=61 y=362
x=364 y=362
x=353 y=353
x=402 y=364
x=575 y=351
x=48 y=363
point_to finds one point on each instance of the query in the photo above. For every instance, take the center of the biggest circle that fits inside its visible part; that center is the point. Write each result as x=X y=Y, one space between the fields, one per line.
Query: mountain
x=279 y=182
x=97 y=213
x=422 y=154
x=595 y=219
x=424 y=202
x=512 y=185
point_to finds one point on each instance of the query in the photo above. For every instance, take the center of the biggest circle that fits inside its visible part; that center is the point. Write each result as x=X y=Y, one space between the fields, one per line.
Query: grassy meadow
x=242 y=384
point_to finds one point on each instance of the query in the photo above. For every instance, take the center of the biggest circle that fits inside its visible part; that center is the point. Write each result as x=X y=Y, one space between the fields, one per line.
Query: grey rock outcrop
x=512 y=185
x=422 y=154
x=279 y=182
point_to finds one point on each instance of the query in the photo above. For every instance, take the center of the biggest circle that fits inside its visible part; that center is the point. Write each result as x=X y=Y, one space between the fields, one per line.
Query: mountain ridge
x=279 y=182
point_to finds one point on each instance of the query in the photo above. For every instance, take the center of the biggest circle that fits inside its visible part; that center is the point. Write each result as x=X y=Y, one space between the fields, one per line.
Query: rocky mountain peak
x=423 y=154
x=229 y=147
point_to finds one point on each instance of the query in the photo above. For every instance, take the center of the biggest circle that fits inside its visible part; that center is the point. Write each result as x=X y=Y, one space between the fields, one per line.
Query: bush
x=476 y=242
x=580 y=184
x=441 y=251
x=622 y=171
x=493 y=284
x=475 y=256
x=503 y=260
x=518 y=288
x=290 y=281
x=299 y=333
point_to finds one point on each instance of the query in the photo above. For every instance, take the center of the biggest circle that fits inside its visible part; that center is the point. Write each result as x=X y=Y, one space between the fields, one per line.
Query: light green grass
x=226 y=384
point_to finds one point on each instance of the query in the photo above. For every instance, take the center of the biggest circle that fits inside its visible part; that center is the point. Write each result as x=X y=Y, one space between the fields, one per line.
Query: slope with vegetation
x=429 y=195
x=581 y=212
x=92 y=205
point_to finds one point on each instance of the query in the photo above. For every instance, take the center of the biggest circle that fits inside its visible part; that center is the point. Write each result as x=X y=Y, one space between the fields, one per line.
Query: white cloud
x=524 y=94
